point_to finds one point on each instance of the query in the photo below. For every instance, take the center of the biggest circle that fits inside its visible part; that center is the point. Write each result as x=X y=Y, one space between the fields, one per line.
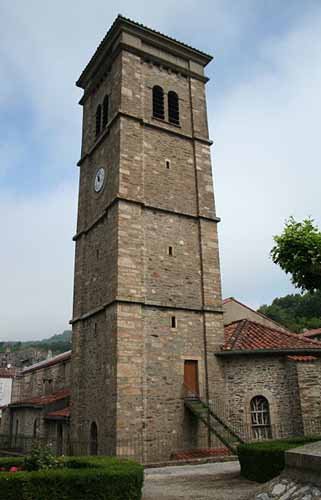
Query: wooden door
x=191 y=376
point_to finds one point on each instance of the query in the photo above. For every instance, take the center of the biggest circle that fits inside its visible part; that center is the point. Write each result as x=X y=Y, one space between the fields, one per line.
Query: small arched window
x=98 y=120
x=158 y=102
x=173 y=108
x=260 y=418
x=105 y=110
x=93 y=439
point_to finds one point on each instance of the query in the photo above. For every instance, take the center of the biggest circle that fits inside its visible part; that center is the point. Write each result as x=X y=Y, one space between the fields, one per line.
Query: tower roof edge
x=122 y=23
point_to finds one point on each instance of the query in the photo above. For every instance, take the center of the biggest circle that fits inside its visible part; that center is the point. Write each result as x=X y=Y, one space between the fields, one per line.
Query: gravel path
x=219 y=481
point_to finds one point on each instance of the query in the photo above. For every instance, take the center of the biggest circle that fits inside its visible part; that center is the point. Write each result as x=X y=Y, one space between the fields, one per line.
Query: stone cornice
x=113 y=39
x=143 y=303
x=146 y=57
x=146 y=207
x=174 y=131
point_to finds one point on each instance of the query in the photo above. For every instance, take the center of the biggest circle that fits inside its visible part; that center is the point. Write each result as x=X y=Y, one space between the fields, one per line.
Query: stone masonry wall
x=250 y=376
x=158 y=260
x=42 y=381
x=109 y=85
x=309 y=385
x=94 y=394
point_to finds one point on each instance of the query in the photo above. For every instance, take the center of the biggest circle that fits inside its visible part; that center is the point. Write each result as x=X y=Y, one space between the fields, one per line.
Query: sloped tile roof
x=7 y=372
x=64 y=413
x=302 y=359
x=246 y=335
x=64 y=356
x=232 y=299
x=43 y=400
x=311 y=333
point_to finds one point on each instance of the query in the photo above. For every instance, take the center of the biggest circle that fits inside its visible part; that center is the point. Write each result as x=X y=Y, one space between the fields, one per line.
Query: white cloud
x=37 y=264
x=265 y=129
x=267 y=158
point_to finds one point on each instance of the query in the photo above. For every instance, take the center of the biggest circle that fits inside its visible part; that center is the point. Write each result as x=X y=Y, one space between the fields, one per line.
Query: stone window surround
x=166 y=91
x=260 y=391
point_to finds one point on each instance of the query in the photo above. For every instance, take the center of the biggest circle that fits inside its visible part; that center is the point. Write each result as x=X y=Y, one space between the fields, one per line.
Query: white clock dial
x=99 y=180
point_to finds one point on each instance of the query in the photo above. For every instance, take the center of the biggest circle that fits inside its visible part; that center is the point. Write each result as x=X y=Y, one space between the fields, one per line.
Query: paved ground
x=220 y=481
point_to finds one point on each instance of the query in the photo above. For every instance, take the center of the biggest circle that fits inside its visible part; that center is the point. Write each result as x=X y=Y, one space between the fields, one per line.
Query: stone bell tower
x=147 y=301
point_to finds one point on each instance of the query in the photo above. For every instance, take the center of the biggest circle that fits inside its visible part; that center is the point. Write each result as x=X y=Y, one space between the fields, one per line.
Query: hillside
x=57 y=343
x=296 y=312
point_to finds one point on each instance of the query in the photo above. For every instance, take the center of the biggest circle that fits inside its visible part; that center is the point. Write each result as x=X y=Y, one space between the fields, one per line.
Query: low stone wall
x=284 y=488
x=301 y=479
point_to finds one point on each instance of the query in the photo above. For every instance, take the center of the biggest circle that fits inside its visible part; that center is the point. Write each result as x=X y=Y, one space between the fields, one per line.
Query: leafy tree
x=296 y=312
x=298 y=252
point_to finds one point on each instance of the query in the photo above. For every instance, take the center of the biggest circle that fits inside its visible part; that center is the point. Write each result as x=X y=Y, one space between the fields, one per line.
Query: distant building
x=39 y=406
x=235 y=310
x=6 y=378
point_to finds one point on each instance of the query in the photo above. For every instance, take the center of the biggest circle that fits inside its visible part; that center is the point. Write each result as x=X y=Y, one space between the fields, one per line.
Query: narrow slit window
x=173 y=321
x=173 y=108
x=98 y=120
x=170 y=251
x=168 y=164
x=97 y=253
x=158 y=102
x=105 y=110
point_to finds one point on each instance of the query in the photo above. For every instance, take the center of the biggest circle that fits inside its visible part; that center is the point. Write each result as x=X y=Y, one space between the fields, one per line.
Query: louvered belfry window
x=158 y=102
x=173 y=108
x=98 y=120
x=105 y=110
x=260 y=418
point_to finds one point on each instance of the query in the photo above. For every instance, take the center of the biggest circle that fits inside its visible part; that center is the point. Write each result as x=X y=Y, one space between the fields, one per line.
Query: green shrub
x=82 y=478
x=263 y=460
x=42 y=458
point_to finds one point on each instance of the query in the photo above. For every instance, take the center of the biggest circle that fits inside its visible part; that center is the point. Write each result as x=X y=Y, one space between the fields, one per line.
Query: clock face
x=99 y=180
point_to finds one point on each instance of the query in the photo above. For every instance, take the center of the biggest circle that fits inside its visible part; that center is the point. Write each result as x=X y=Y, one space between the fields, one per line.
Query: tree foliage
x=298 y=252
x=296 y=312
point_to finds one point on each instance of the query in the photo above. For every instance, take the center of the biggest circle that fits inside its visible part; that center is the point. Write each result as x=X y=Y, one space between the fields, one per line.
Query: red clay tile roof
x=8 y=372
x=43 y=400
x=65 y=356
x=64 y=413
x=311 y=333
x=246 y=335
x=302 y=358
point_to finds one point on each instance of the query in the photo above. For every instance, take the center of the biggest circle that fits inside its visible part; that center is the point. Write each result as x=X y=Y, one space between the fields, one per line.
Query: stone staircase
x=217 y=426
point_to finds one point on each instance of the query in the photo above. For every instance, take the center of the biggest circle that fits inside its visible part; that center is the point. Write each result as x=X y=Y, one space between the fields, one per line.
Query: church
x=159 y=362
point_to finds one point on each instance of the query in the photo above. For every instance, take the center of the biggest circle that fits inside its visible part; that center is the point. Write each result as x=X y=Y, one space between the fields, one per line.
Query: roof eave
x=61 y=418
x=266 y=352
x=26 y=405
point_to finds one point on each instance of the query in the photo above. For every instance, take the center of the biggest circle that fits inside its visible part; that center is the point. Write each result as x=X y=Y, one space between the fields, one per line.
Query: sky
x=264 y=109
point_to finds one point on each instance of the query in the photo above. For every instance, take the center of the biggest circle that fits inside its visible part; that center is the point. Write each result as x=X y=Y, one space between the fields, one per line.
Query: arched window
x=36 y=428
x=98 y=120
x=93 y=439
x=158 y=102
x=173 y=108
x=260 y=418
x=105 y=110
